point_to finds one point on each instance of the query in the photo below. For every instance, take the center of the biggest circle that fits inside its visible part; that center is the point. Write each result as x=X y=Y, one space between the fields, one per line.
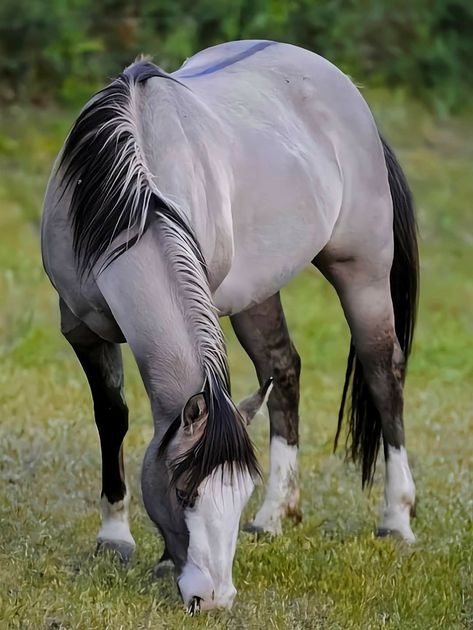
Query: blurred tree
x=65 y=48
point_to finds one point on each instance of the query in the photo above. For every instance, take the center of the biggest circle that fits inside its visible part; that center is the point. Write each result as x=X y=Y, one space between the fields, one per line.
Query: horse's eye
x=182 y=497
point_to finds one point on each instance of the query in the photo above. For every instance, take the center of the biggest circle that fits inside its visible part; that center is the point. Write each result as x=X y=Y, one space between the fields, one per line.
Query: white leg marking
x=115 y=526
x=399 y=494
x=282 y=491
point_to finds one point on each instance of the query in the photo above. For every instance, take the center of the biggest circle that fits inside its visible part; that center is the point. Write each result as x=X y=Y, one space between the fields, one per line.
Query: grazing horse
x=178 y=198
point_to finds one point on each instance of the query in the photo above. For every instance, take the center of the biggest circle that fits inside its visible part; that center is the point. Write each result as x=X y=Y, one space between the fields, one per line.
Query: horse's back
x=272 y=153
x=306 y=156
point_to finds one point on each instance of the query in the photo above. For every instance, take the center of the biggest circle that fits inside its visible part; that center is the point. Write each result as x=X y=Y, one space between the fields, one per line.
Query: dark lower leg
x=102 y=364
x=369 y=312
x=262 y=331
x=385 y=377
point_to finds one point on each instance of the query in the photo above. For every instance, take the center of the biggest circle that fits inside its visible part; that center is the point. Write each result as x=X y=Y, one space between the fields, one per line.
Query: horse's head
x=195 y=486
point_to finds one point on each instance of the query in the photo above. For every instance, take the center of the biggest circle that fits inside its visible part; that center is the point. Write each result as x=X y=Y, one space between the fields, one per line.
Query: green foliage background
x=330 y=571
x=61 y=49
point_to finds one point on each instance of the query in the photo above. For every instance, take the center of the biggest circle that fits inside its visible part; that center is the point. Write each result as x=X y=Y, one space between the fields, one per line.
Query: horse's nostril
x=194 y=606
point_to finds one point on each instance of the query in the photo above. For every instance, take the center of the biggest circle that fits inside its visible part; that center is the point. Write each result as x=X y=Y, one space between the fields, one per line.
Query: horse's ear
x=194 y=413
x=249 y=407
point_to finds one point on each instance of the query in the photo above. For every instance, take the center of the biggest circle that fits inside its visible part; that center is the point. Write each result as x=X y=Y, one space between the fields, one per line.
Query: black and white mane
x=113 y=193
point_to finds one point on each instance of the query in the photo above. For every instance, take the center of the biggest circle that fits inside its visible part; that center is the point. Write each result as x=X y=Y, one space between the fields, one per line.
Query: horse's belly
x=273 y=243
x=253 y=281
x=287 y=199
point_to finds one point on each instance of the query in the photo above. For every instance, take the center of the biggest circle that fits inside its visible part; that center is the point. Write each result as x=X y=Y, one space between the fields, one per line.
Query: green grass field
x=328 y=572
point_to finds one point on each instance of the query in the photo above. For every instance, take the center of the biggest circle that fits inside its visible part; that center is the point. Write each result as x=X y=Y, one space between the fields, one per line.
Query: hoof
x=259 y=531
x=163 y=569
x=122 y=549
x=272 y=525
x=295 y=514
x=385 y=532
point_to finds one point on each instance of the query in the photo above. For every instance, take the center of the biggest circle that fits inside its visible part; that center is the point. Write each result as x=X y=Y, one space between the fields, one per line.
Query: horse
x=179 y=198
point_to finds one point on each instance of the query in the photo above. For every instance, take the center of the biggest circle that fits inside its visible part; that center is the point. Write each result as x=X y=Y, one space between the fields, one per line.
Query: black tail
x=363 y=417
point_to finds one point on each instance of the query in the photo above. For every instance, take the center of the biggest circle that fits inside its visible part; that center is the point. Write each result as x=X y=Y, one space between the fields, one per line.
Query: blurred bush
x=63 y=49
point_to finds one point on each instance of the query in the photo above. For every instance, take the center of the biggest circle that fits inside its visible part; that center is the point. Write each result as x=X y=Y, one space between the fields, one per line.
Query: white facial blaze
x=282 y=492
x=213 y=529
x=115 y=526
x=399 y=494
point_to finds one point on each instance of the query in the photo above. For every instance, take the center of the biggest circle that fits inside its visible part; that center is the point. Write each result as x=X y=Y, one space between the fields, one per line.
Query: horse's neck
x=149 y=305
x=186 y=150
x=189 y=280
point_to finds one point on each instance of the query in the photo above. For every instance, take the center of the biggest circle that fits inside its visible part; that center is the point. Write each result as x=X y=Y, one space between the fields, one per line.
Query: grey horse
x=178 y=198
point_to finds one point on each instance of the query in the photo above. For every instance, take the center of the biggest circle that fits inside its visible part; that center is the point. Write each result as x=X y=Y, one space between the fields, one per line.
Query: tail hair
x=364 y=422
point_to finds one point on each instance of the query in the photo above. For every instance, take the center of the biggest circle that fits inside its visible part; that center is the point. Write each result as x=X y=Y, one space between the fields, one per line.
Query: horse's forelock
x=224 y=443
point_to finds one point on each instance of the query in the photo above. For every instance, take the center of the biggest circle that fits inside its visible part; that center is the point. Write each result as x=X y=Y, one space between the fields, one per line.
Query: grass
x=328 y=572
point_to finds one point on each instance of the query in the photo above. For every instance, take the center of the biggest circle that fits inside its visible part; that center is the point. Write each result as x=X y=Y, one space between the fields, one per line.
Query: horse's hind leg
x=262 y=331
x=365 y=295
x=102 y=364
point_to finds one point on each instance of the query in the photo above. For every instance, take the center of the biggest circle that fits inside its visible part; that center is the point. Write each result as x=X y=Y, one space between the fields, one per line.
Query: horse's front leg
x=102 y=364
x=262 y=331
